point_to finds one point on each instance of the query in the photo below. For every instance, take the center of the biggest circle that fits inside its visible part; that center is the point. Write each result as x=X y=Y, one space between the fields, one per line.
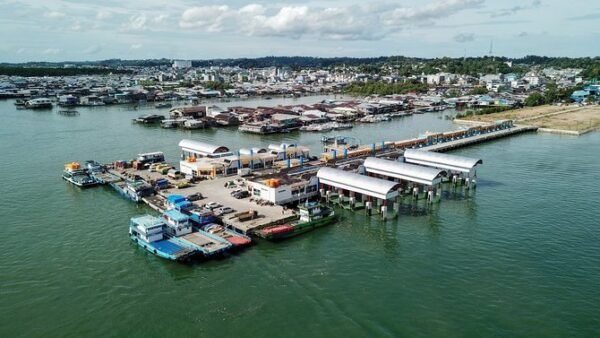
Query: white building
x=283 y=189
x=180 y=64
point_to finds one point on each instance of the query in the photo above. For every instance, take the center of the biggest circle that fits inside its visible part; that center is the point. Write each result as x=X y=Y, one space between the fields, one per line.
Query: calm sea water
x=520 y=257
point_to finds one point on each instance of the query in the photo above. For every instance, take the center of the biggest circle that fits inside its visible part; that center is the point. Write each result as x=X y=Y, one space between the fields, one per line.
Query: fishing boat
x=68 y=112
x=78 y=176
x=148 y=232
x=340 y=126
x=149 y=119
x=163 y=105
x=179 y=228
x=312 y=216
x=40 y=103
x=236 y=239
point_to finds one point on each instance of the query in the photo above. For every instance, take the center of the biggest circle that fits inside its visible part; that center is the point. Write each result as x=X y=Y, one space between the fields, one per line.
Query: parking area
x=218 y=190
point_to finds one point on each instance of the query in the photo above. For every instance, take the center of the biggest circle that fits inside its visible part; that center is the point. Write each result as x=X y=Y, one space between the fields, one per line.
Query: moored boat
x=148 y=232
x=39 y=103
x=73 y=173
x=312 y=216
x=179 y=228
x=163 y=105
x=134 y=190
x=236 y=239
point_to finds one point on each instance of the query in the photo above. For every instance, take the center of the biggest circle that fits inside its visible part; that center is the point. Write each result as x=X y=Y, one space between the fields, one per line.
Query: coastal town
x=300 y=168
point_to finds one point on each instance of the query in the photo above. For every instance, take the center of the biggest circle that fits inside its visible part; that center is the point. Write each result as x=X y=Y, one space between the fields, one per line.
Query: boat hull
x=298 y=229
x=181 y=254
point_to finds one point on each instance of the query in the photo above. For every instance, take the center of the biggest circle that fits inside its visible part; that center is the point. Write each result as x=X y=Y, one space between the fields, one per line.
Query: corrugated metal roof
x=439 y=160
x=404 y=171
x=197 y=146
x=361 y=184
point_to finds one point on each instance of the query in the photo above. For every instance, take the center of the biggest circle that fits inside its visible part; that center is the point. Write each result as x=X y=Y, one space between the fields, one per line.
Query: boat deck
x=207 y=244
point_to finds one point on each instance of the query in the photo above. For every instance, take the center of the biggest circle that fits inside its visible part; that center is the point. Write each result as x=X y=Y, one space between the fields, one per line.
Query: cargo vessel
x=312 y=216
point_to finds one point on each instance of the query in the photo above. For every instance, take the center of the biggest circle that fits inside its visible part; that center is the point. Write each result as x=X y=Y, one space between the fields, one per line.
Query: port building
x=453 y=164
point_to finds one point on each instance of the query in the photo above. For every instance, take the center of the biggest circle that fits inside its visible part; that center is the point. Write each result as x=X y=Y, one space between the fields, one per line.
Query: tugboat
x=78 y=176
x=312 y=216
x=148 y=232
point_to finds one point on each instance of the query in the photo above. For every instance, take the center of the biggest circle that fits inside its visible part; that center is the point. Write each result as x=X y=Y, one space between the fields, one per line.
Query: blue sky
x=56 y=30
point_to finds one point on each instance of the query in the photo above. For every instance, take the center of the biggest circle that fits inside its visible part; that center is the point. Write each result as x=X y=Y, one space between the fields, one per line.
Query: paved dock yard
x=214 y=190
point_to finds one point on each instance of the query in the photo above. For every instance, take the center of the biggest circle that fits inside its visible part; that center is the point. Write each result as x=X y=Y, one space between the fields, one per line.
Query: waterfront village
x=214 y=199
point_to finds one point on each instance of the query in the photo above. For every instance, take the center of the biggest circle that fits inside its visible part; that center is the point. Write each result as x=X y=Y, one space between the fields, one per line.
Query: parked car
x=241 y=194
x=225 y=211
x=195 y=197
x=212 y=205
x=235 y=191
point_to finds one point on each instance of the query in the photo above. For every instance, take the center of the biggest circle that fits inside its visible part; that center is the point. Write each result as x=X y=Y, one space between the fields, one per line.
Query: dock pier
x=467 y=141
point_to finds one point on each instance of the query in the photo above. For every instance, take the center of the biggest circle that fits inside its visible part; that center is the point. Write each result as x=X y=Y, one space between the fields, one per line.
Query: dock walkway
x=463 y=142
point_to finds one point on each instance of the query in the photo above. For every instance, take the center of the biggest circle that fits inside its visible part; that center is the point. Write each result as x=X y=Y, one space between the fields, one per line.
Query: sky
x=77 y=30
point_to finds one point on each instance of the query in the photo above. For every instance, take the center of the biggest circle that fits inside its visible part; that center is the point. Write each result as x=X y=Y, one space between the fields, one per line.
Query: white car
x=212 y=205
x=225 y=211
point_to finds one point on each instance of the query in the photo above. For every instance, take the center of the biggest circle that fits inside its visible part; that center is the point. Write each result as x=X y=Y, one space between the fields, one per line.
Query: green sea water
x=519 y=257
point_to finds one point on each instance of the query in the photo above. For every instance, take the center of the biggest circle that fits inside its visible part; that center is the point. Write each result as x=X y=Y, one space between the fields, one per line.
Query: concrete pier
x=463 y=142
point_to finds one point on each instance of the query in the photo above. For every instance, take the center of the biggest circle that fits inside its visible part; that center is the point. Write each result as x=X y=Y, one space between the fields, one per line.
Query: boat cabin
x=147 y=228
x=177 y=223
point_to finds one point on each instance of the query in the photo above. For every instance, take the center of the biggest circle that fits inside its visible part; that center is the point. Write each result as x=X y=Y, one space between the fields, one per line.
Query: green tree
x=479 y=91
x=453 y=93
x=534 y=99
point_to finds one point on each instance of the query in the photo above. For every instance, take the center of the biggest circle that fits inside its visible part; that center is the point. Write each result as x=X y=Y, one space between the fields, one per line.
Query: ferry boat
x=236 y=239
x=133 y=190
x=40 y=103
x=312 y=216
x=78 y=176
x=179 y=228
x=148 y=232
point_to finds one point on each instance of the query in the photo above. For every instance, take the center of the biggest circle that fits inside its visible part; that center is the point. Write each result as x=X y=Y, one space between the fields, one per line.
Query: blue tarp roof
x=167 y=247
x=182 y=204
x=175 y=198
x=176 y=215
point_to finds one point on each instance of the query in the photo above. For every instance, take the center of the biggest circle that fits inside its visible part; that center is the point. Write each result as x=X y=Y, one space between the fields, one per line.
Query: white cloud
x=51 y=51
x=160 y=18
x=54 y=14
x=103 y=15
x=350 y=22
x=137 y=22
x=21 y=50
x=77 y=26
x=93 y=49
x=464 y=37
x=136 y=46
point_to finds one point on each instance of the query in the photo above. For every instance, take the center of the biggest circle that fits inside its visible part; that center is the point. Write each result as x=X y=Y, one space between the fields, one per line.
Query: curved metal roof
x=361 y=184
x=201 y=147
x=439 y=160
x=404 y=171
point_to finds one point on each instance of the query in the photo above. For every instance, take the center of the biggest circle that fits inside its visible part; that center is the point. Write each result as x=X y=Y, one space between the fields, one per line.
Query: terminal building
x=203 y=159
x=283 y=189
x=457 y=167
x=411 y=178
